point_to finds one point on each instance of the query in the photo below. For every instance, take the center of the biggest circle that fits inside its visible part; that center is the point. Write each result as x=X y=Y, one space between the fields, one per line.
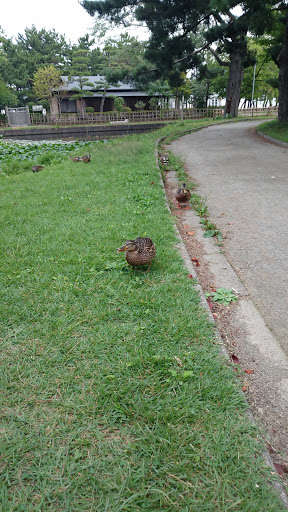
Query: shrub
x=140 y=105
x=118 y=103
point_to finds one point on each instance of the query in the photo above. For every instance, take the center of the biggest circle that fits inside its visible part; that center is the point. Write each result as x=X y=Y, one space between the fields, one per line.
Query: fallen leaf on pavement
x=196 y=261
x=235 y=359
x=249 y=371
x=191 y=233
x=281 y=470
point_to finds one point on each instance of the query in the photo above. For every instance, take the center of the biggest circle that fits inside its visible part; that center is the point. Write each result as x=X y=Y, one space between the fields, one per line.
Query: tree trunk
x=236 y=72
x=283 y=79
x=103 y=99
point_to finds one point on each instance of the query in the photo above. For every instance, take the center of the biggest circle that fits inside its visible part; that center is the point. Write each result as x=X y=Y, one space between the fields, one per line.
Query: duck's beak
x=123 y=248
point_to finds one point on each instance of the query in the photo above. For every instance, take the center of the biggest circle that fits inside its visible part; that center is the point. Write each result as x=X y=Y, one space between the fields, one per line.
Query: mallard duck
x=86 y=158
x=164 y=159
x=37 y=168
x=76 y=158
x=183 y=195
x=140 y=251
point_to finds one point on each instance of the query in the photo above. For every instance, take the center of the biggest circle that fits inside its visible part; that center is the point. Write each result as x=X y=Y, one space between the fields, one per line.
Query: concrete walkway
x=245 y=181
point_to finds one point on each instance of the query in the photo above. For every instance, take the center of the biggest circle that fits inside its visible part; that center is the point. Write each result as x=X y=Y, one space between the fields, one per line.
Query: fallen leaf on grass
x=190 y=276
x=249 y=371
x=244 y=388
x=196 y=261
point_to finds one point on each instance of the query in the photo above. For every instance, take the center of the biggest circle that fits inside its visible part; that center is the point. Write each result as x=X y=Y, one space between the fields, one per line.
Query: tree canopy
x=171 y=25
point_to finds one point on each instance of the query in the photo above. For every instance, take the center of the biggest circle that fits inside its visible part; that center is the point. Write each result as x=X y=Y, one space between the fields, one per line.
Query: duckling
x=140 y=251
x=183 y=195
x=37 y=168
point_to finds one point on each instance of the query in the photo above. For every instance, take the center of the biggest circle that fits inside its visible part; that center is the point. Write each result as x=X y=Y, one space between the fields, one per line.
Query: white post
x=253 y=86
x=182 y=106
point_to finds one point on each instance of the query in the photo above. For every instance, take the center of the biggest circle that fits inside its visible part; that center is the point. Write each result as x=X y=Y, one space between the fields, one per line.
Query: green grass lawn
x=275 y=130
x=114 y=396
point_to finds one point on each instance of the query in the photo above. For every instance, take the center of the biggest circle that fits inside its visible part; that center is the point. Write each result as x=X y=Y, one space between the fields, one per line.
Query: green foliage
x=140 y=105
x=118 y=103
x=178 y=37
x=154 y=103
x=16 y=157
x=31 y=51
x=8 y=97
x=89 y=110
x=223 y=296
x=266 y=75
x=211 y=229
x=45 y=81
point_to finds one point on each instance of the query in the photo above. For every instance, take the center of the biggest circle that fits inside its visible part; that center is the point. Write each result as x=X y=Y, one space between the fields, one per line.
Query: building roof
x=121 y=88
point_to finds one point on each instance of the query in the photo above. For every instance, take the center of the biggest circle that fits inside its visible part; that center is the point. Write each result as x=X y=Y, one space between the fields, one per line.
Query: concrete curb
x=270 y=139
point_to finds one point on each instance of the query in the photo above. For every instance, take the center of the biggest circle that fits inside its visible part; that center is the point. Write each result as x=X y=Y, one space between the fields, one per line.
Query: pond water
x=11 y=149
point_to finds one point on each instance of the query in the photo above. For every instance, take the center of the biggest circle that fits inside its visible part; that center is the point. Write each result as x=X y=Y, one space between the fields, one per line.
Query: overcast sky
x=67 y=17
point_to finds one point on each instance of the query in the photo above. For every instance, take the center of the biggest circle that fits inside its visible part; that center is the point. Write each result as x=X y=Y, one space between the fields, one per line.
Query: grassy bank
x=114 y=396
x=275 y=130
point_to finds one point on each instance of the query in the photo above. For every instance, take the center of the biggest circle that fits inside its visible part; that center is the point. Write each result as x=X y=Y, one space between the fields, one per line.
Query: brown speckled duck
x=183 y=195
x=140 y=251
x=164 y=159
x=86 y=158
x=37 y=168
x=76 y=158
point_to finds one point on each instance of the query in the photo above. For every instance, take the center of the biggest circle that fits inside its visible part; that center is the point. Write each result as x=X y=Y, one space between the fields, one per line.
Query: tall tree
x=279 y=52
x=32 y=50
x=45 y=81
x=265 y=72
x=79 y=73
x=8 y=97
x=172 y=23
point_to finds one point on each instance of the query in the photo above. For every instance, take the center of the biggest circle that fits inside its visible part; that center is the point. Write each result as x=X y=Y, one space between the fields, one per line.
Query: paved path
x=245 y=181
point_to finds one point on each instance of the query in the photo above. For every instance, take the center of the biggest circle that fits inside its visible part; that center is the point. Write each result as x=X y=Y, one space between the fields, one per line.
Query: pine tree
x=171 y=25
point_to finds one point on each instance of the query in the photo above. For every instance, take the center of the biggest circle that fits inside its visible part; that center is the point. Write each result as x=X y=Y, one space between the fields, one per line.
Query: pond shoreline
x=92 y=132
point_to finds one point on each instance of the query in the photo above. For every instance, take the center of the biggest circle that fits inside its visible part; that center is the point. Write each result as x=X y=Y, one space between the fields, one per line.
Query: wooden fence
x=18 y=116
x=258 y=112
x=146 y=116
